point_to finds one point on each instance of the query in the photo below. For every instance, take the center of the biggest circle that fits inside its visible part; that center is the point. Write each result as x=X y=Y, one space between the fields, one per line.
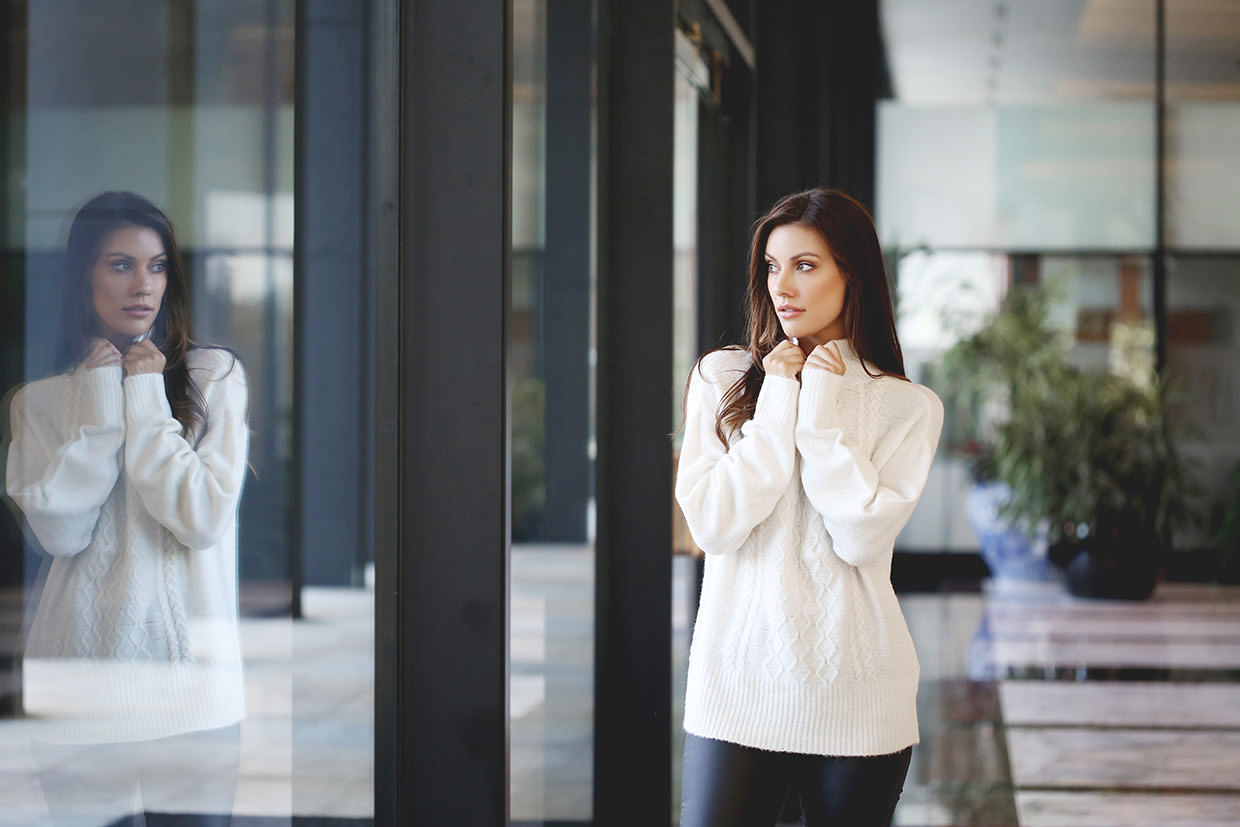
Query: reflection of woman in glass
x=128 y=466
x=804 y=455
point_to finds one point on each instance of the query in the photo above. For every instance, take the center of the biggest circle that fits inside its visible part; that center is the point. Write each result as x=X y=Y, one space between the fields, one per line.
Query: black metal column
x=566 y=271
x=1160 y=187
x=632 y=745
x=450 y=584
x=383 y=349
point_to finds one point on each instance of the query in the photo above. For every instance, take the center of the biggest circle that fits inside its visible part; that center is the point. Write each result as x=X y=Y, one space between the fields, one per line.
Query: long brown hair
x=869 y=323
x=171 y=332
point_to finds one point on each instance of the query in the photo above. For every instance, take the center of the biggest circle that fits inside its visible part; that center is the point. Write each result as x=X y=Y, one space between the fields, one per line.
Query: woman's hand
x=143 y=357
x=102 y=354
x=826 y=357
x=785 y=360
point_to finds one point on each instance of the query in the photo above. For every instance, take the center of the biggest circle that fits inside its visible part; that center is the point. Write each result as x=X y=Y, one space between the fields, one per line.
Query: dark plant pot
x=1105 y=572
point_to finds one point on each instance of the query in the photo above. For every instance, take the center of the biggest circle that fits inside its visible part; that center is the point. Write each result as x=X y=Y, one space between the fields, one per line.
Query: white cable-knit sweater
x=799 y=644
x=135 y=634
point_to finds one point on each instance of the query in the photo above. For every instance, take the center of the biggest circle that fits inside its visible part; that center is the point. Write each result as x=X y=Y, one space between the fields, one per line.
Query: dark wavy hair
x=171 y=332
x=869 y=322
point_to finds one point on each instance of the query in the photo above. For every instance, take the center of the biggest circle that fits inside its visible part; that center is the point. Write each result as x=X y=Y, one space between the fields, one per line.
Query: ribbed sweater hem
x=87 y=701
x=840 y=718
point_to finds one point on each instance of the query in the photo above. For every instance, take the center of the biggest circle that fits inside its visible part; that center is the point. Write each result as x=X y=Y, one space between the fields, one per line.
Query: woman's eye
x=159 y=267
x=120 y=266
x=805 y=266
x=770 y=267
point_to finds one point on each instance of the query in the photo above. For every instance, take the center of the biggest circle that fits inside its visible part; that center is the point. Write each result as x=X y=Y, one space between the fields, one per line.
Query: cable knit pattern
x=799 y=644
x=135 y=635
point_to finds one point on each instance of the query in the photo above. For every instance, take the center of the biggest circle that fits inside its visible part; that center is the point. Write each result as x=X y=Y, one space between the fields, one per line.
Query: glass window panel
x=1018 y=125
x=550 y=350
x=1203 y=120
x=258 y=713
x=940 y=297
x=1050 y=176
x=690 y=70
x=1203 y=305
x=943 y=296
x=691 y=85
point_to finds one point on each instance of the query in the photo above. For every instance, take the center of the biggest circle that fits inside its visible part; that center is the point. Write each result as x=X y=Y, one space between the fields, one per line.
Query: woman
x=804 y=455
x=128 y=466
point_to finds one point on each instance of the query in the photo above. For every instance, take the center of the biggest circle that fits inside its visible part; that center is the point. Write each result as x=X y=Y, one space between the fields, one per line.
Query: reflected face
x=128 y=282
x=806 y=286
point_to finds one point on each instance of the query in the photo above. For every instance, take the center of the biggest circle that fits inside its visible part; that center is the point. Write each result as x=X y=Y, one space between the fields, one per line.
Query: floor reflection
x=307 y=745
x=1036 y=708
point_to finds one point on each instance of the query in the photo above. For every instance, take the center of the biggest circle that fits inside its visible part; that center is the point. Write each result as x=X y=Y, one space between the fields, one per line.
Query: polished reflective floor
x=307 y=745
x=1036 y=708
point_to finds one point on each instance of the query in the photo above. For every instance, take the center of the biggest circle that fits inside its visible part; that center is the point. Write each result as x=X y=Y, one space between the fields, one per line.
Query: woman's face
x=128 y=282
x=806 y=287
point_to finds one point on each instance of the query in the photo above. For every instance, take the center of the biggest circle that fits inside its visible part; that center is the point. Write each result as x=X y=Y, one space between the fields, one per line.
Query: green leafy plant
x=1094 y=455
x=1013 y=347
x=1090 y=453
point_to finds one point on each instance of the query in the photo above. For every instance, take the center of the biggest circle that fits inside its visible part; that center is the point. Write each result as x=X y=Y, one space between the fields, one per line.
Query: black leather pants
x=727 y=785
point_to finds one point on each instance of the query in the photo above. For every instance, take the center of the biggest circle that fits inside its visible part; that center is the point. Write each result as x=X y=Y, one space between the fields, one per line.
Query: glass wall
x=192 y=645
x=1022 y=144
x=551 y=356
x=1203 y=248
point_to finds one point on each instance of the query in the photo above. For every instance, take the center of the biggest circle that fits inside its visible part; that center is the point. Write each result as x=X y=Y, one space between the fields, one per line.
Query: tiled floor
x=1035 y=708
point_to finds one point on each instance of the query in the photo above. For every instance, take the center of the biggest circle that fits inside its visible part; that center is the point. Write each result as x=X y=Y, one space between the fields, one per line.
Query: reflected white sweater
x=799 y=644
x=135 y=635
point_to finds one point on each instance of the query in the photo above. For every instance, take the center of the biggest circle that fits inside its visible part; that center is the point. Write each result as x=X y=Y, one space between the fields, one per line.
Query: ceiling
x=969 y=52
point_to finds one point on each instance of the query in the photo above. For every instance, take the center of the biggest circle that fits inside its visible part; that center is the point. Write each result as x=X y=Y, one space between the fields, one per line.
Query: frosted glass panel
x=1040 y=177
x=1203 y=175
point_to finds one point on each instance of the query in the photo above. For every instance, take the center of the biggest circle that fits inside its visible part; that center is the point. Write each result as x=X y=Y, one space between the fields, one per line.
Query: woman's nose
x=783 y=284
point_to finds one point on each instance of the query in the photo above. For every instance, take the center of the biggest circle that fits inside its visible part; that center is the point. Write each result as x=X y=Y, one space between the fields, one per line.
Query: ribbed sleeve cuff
x=103 y=389
x=145 y=397
x=819 y=391
x=777 y=401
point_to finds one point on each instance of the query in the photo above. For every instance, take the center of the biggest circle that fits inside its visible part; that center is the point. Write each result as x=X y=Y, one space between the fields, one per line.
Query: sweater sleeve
x=192 y=490
x=63 y=464
x=863 y=505
x=725 y=491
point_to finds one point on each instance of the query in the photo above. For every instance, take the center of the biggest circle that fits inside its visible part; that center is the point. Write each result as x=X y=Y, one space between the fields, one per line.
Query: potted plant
x=1011 y=347
x=1093 y=454
x=1079 y=464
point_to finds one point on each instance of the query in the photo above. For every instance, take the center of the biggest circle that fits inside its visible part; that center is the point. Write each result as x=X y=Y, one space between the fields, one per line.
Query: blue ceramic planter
x=1010 y=554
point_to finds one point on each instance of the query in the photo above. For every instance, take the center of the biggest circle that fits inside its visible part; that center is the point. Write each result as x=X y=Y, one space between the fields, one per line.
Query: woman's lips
x=788 y=311
x=138 y=311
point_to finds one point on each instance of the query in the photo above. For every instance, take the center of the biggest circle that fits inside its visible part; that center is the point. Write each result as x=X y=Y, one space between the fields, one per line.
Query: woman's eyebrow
x=797 y=255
